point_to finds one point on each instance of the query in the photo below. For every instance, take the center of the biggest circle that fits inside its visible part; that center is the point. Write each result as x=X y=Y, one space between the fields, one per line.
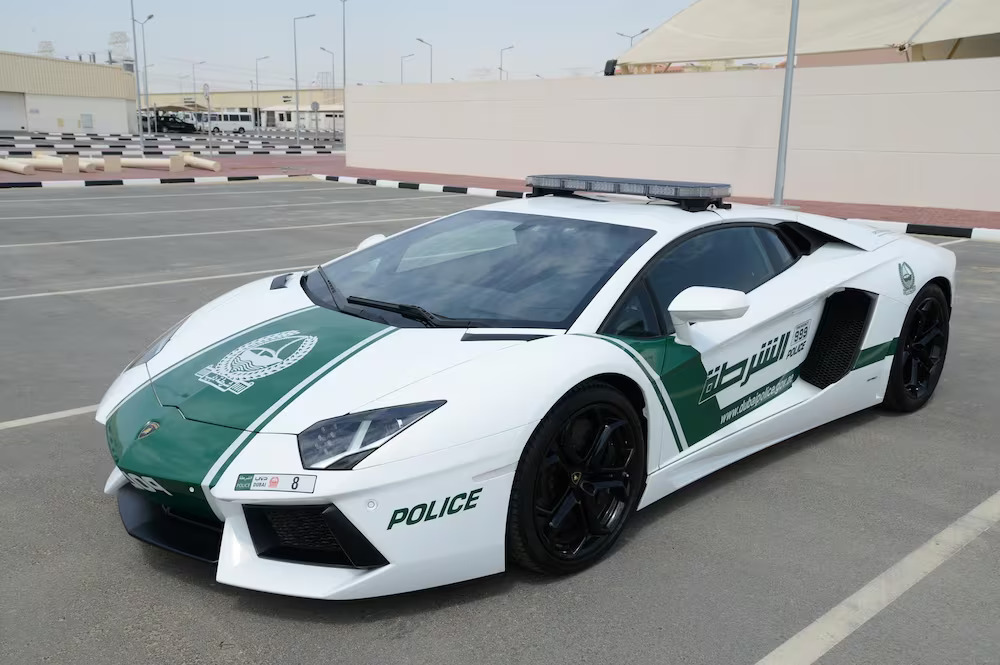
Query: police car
x=509 y=384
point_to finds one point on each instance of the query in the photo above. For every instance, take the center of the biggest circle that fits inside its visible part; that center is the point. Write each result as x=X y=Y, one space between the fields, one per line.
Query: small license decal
x=275 y=482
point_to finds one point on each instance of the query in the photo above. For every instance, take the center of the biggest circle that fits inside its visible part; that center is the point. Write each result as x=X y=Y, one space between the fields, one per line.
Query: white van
x=234 y=121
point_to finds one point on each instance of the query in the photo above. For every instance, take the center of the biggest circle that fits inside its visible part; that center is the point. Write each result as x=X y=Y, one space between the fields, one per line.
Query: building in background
x=43 y=94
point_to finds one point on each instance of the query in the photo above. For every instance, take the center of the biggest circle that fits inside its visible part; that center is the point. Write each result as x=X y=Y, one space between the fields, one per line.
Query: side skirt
x=855 y=392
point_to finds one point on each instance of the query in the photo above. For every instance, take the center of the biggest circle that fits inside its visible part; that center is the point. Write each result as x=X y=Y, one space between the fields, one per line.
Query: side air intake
x=838 y=338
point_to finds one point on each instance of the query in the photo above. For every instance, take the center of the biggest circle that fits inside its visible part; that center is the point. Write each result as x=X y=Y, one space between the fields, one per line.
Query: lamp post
x=403 y=59
x=333 y=72
x=145 y=65
x=506 y=48
x=431 y=47
x=145 y=74
x=194 y=88
x=138 y=92
x=295 y=48
x=631 y=38
x=343 y=65
x=256 y=66
x=786 y=108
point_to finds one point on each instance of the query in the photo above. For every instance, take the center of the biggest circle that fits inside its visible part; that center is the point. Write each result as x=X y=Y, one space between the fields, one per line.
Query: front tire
x=578 y=481
x=920 y=351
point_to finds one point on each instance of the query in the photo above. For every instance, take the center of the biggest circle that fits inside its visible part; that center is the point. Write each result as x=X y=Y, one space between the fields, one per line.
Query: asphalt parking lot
x=724 y=571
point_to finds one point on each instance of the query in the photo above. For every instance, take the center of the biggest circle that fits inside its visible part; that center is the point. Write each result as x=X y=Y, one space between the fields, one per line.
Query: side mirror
x=705 y=303
x=371 y=240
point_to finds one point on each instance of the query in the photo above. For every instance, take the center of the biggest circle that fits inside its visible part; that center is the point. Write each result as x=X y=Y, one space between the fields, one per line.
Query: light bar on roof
x=691 y=195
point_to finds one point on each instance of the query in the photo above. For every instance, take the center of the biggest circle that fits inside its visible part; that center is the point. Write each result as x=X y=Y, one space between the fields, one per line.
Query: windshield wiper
x=338 y=299
x=340 y=303
x=415 y=312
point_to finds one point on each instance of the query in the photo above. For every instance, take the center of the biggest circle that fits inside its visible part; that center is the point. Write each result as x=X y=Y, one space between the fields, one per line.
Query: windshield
x=496 y=268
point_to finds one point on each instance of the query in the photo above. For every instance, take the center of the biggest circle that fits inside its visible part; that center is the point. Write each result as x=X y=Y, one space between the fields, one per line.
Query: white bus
x=234 y=120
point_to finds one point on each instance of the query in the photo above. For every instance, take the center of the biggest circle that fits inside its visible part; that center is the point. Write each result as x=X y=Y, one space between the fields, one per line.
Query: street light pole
x=333 y=74
x=256 y=66
x=507 y=48
x=343 y=66
x=145 y=64
x=631 y=38
x=786 y=108
x=402 y=59
x=295 y=48
x=135 y=67
x=431 y=47
x=194 y=87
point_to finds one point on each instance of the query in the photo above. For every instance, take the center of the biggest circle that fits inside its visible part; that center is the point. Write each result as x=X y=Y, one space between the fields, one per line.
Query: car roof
x=663 y=218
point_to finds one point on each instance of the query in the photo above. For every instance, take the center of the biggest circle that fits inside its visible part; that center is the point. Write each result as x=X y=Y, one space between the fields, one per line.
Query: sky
x=551 y=38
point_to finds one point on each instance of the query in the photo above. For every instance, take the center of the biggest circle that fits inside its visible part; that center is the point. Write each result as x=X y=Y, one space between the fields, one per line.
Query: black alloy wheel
x=921 y=351
x=578 y=482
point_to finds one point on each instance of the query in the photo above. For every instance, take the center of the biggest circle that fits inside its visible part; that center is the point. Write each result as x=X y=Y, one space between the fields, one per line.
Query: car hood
x=259 y=353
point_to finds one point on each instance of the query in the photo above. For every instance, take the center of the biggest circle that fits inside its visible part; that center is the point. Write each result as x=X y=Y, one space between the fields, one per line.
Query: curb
x=145 y=181
x=977 y=233
x=64 y=136
x=140 y=153
x=423 y=187
x=972 y=233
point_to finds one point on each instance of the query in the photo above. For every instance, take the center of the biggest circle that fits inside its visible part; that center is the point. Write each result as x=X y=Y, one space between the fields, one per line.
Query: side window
x=634 y=316
x=777 y=251
x=736 y=257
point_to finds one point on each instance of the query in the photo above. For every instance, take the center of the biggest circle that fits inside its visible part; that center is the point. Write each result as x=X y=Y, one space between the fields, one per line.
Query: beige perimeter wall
x=917 y=134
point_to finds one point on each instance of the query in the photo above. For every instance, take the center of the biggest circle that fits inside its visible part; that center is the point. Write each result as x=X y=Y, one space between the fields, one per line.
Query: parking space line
x=45 y=417
x=220 y=192
x=813 y=641
x=182 y=280
x=953 y=242
x=298 y=227
x=182 y=211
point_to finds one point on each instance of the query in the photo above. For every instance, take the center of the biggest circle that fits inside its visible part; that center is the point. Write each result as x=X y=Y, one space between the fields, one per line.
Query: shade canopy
x=738 y=29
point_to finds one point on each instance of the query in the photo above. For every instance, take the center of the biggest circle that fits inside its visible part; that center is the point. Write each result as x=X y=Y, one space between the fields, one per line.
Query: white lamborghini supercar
x=510 y=383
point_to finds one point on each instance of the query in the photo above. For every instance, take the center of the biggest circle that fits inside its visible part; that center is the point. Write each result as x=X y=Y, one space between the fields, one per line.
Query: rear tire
x=578 y=481
x=920 y=351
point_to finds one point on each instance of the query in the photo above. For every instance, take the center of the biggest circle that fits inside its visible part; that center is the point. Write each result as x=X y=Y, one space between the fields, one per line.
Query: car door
x=718 y=383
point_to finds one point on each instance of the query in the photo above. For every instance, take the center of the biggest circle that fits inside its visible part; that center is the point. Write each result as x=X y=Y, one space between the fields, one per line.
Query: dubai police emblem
x=256 y=360
x=907 y=278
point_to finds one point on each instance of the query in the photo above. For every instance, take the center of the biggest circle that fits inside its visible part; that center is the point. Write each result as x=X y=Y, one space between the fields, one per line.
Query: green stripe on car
x=873 y=354
x=641 y=361
x=205 y=404
x=293 y=394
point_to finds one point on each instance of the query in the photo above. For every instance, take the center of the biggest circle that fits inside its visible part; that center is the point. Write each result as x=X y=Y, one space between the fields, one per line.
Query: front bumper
x=428 y=521
x=304 y=534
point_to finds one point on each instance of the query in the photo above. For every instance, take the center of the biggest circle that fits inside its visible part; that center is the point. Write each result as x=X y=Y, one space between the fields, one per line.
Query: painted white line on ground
x=953 y=242
x=183 y=280
x=813 y=641
x=45 y=417
x=182 y=211
x=212 y=233
x=217 y=192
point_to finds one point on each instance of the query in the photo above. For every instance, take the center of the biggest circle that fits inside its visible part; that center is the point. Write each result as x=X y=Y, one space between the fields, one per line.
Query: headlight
x=156 y=346
x=340 y=443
